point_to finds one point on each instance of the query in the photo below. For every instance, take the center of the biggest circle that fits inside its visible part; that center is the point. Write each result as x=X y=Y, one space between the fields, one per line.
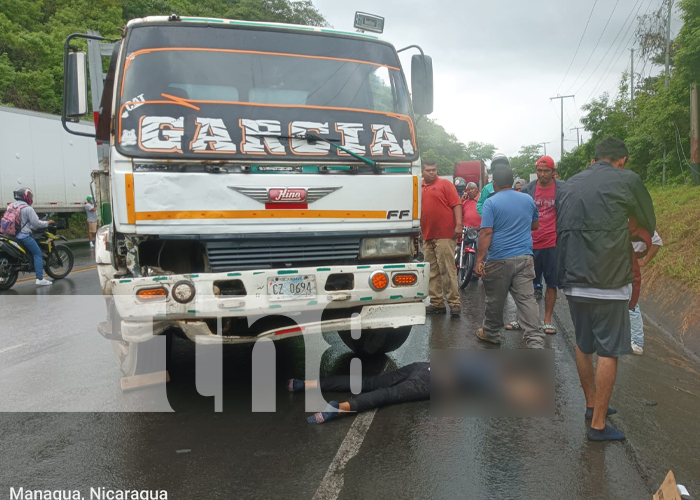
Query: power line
x=612 y=43
x=596 y=46
x=619 y=51
x=578 y=47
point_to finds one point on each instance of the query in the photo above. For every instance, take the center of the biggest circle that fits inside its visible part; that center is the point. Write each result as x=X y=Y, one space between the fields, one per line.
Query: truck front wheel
x=138 y=358
x=375 y=342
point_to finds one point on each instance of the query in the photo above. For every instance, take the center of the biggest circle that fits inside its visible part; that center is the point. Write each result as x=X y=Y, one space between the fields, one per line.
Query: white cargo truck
x=36 y=152
x=256 y=170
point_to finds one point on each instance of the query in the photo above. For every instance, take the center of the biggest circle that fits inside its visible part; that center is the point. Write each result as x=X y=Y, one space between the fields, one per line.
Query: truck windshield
x=203 y=91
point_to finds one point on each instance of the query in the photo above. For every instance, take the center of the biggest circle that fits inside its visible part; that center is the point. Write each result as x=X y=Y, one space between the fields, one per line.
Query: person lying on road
x=412 y=383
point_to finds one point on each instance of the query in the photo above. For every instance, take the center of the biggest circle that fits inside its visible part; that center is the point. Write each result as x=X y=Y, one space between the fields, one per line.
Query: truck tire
x=376 y=342
x=138 y=358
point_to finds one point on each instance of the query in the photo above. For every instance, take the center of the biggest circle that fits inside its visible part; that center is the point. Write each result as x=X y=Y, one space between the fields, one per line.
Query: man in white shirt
x=636 y=321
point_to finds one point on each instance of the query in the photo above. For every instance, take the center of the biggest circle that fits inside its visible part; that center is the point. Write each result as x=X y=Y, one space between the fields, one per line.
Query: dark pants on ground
x=410 y=383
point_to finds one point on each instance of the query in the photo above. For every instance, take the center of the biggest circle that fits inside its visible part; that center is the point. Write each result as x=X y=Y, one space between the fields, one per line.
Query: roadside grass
x=678 y=224
x=77 y=227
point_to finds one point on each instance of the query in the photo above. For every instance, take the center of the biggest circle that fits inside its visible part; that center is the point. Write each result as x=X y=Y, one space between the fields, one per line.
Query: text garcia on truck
x=256 y=171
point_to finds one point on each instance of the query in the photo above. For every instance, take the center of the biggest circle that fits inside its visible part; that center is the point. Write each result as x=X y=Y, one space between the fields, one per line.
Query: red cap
x=546 y=161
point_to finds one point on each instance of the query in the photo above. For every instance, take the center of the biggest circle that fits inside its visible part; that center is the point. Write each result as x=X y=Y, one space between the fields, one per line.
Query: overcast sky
x=497 y=63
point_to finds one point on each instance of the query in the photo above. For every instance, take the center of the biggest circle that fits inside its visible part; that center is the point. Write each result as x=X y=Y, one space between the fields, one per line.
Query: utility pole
x=632 y=84
x=694 y=135
x=578 y=139
x=668 y=56
x=561 y=100
x=544 y=145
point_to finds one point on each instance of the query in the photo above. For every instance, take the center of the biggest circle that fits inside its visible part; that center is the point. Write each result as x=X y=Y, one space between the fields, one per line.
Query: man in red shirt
x=441 y=225
x=544 y=240
x=470 y=217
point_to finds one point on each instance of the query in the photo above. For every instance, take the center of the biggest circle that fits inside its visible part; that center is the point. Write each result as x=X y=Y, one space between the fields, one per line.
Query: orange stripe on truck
x=415 y=197
x=261 y=214
x=130 y=207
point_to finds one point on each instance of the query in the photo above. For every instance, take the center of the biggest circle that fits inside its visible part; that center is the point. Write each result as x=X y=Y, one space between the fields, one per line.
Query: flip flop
x=513 y=325
x=552 y=329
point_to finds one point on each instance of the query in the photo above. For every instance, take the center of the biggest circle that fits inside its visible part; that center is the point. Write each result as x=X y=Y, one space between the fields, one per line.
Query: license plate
x=291 y=287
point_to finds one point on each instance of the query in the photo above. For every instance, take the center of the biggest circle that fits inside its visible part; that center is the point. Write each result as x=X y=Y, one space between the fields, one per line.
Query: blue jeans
x=637 y=324
x=33 y=247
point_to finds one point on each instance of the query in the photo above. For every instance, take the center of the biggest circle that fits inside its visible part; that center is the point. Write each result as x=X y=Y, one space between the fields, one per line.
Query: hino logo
x=285 y=194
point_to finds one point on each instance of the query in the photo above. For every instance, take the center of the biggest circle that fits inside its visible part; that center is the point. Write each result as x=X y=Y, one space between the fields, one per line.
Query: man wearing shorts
x=91 y=211
x=545 y=191
x=594 y=265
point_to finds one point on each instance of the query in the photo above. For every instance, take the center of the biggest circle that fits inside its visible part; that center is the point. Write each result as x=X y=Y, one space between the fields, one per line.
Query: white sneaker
x=637 y=349
x=92 y=245
x=43 y=282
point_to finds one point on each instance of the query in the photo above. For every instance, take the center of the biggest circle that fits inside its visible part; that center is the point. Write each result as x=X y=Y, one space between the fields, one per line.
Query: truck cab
x=256 y=171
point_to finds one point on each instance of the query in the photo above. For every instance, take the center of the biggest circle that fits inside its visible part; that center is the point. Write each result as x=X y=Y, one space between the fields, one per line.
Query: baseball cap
x=546 y=161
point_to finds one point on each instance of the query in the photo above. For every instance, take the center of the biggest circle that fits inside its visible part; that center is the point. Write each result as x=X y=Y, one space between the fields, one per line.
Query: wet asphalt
x=67 y=425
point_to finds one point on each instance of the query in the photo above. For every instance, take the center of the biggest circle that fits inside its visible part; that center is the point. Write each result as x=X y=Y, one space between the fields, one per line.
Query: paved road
x=87 y=439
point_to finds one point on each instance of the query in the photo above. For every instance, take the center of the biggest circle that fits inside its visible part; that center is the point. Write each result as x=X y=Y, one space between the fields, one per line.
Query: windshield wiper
x=311 y=138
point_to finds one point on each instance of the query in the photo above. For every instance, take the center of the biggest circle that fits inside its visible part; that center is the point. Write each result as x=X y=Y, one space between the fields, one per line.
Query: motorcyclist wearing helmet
x=30 y=220
x=461 y=186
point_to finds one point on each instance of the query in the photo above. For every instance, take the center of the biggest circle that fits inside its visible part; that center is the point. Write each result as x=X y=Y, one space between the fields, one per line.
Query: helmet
x=461 y=185
x=24 y=194
x=89 y=198
x=500 y=159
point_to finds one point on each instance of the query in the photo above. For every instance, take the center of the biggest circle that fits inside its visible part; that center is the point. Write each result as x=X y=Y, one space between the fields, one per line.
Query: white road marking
x=10 y=348
x=333 y=481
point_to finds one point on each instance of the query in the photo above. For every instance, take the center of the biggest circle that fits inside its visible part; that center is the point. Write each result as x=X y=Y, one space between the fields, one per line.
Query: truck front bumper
x=359 y=307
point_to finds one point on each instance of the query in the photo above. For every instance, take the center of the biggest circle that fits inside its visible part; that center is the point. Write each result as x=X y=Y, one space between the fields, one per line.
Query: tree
x=435 y=142
x=32 y=33
x=524 y=163
x=480 y=151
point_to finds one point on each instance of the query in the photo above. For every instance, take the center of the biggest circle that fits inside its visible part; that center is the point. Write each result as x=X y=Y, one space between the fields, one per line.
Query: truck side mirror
x=76 y=95
x=422 y=84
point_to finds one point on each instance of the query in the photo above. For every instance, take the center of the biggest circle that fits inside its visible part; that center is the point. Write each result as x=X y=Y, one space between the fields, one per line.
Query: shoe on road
x=455 y=312
x=92 y=245
x=43 y=282
x=482 y=336
x=435 y=310
x=637 y=349
x=608 y=433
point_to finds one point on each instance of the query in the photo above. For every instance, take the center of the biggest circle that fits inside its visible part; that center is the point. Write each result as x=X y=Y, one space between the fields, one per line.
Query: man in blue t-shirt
x=507 y=223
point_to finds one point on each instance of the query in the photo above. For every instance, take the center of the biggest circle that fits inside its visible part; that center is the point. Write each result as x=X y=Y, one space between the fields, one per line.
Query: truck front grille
x=280 y=252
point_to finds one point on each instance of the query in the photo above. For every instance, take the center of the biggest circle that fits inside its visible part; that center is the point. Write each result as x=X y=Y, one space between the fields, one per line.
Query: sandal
x=549 y=329
x=514 y=325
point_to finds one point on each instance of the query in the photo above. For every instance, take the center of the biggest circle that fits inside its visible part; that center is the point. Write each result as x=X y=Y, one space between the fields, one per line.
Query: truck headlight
x=396 y=246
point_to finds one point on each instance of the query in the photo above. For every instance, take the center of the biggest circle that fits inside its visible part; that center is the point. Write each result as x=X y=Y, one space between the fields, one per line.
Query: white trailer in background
x=36 y=152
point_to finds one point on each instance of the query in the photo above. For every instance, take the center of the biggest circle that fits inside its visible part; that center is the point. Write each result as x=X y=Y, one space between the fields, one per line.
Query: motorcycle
x=465 y=255
x=14 y=258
